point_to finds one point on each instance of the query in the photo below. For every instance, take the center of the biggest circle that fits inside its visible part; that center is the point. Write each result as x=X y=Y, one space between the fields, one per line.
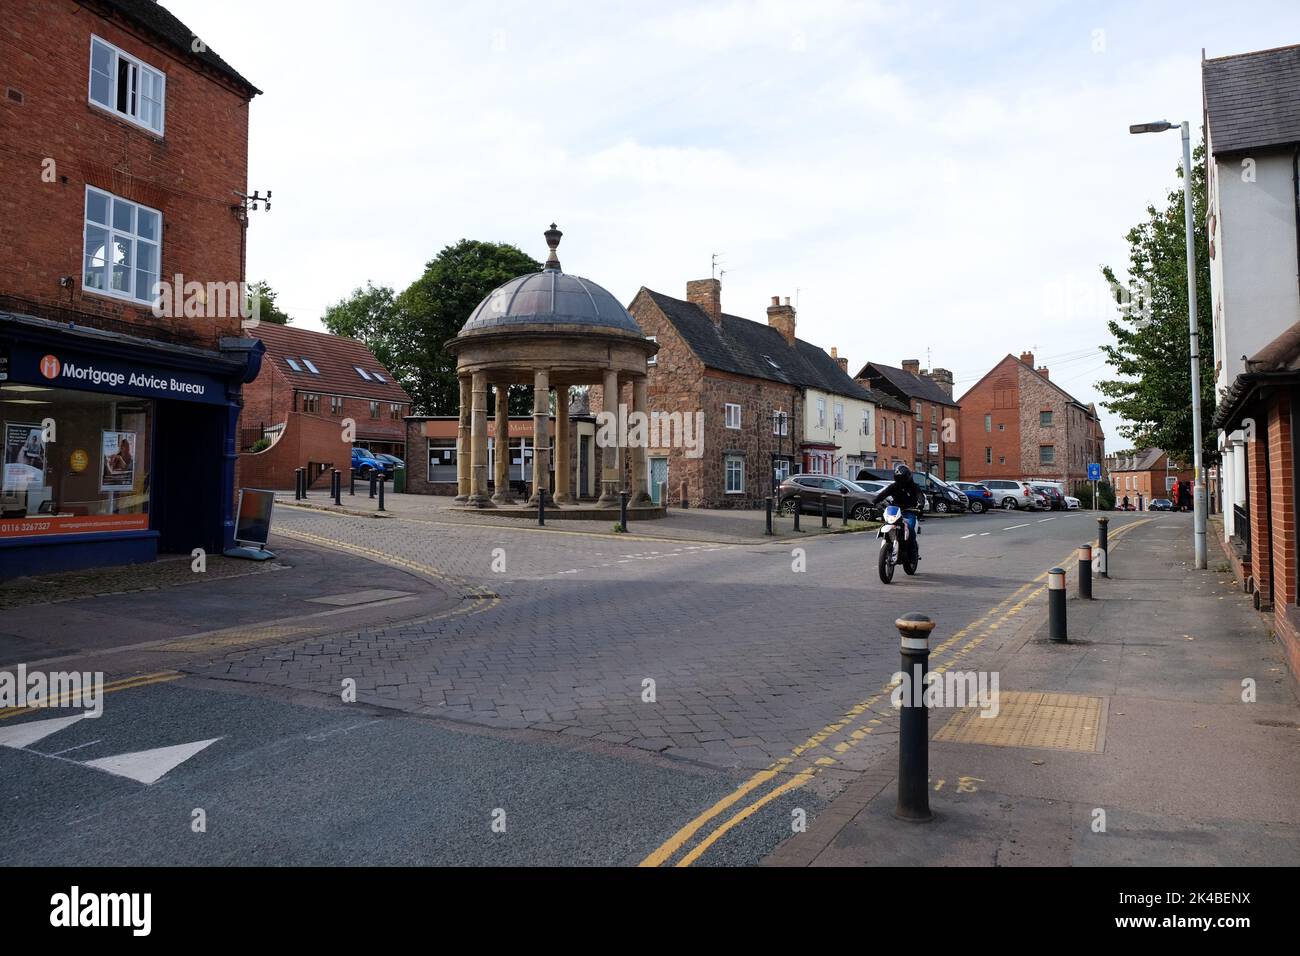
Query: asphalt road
x=525 y=706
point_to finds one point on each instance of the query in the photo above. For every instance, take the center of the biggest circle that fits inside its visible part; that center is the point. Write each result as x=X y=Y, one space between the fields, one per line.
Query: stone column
x=640 y=403
x=462 y=442
x=541 y=434
x=611 y=479
x=478 y=495
x=501 y=478
x=563 y=467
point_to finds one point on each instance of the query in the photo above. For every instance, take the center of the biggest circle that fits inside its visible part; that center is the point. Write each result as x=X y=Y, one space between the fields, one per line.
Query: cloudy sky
x=925 y=179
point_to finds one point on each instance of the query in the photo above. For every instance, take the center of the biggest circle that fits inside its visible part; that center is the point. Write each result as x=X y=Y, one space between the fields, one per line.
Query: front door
x=658 y=477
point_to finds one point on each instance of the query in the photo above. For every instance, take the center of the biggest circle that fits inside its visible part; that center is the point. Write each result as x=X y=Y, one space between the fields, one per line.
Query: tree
x=408 y=332
x=1151 y=353
x=261 y=299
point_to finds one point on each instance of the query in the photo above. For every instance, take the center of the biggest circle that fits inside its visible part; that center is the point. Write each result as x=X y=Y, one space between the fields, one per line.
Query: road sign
x=1094 y=472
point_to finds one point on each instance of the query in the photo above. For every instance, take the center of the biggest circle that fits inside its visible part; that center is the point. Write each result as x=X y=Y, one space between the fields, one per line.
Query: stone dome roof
x=550 y=298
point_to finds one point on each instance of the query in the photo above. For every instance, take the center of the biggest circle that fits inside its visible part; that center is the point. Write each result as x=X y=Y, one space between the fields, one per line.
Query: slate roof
x=755 y=349
x=158 y=20
x=550 y=297
x=1144 y=460
x=335 y=356
x=910 y=385
x=1252 y=100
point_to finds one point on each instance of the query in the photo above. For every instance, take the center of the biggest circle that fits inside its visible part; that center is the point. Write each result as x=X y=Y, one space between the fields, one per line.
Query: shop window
x=442 y=459
x=93 y=476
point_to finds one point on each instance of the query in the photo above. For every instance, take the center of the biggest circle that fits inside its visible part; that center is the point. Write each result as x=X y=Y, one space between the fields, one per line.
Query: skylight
x=293 y=365
x=378 y=377
x=311 y=368
x=771 y=363
x=361 y=372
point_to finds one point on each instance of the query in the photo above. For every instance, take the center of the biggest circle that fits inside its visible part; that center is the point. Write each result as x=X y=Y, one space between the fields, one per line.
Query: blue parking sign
x=1094 y=472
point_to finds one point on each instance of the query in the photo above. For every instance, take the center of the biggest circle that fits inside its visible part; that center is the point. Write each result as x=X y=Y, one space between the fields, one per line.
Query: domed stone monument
x=553 y=331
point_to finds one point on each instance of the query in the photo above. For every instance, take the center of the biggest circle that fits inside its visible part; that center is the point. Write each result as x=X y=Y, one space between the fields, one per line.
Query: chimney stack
x=1043 y=371
x=1027 y=358
x=780 y=316
x=912 y=367
x=840 y=360
x=941 y=377
x=707 y=294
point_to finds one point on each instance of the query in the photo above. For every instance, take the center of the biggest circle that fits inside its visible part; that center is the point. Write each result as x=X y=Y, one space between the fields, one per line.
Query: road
x=582 y=699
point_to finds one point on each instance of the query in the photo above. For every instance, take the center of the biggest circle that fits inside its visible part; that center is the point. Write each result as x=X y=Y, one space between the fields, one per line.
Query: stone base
x=583 y=512
x=480 y=501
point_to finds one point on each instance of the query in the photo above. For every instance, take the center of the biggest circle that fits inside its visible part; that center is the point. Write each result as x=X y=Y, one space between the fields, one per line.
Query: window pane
x=101 y=88
x=101 y=57
x=96 y=241
x=123 y=215
x=124 y=71
x=147 y=224
x=97 y=207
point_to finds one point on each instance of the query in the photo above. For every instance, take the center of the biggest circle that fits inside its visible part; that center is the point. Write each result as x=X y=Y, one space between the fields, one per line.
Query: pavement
x=1187 y=756
x=620 y=699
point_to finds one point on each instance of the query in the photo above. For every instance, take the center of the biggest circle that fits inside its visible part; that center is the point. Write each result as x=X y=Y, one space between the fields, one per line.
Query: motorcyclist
x=904 y=493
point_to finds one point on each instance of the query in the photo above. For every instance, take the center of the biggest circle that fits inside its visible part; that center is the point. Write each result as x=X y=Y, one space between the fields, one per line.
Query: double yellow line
x=990 y=622
x=140 y=680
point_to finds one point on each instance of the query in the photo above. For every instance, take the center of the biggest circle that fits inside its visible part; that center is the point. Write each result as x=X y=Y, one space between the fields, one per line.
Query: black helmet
x=902 y=472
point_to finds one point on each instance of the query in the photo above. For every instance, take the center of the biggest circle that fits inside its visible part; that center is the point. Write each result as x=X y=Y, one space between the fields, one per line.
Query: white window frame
x=141 y=68
x=731 y=412
x=838 y=416
x=780 y=422
x=866 y=421
x=133 y=237
x=726 y=474
x=652 y=359
x=821 y=413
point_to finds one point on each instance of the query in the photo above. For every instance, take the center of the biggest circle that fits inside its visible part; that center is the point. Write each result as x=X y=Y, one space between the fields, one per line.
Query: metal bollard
x=1102 y=526
x=382 y=480
x=352 y=482
x=844 y=511
x=824 y=524
x=798 y=510
x=913 y=722
x=1056 y=605
x=297 y=484
x=768 y=500
x=1085 y=572
x=541 y=507
x=622 y=509
x=374 y=480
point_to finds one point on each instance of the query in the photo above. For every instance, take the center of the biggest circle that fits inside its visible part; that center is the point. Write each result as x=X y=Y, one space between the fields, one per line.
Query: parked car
x=981 y=499
x=364 y=463
x=1013 y=494
x=1055 y=497
x=1162 y=504
x=939 y=496
x=946 y=497
x=392 y=461
x=809 y=490
x=1072 y=503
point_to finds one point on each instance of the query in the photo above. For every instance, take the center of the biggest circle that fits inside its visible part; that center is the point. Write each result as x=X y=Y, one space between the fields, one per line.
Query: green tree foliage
x=262 y=303
x=409 y=331
x=1151 y=352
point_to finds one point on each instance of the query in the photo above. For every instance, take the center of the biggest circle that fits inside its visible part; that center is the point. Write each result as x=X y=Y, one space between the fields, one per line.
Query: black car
x=1161 y=504
x=1056 y=500
x=939 y=496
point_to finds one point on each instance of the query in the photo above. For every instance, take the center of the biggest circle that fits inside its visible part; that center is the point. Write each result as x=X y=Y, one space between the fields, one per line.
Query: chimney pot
x=1027 y=358
x=776 y=300
x=912 y=367
x=1043 y=371
x=707 y=294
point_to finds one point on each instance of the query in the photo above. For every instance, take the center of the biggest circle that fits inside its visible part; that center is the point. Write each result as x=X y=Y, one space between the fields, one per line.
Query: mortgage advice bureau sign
x=70 y=368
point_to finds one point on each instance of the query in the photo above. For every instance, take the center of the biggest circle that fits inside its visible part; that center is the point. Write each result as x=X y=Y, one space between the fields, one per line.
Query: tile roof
x=910 y=385
x=1252 y=100
x=755 y=349
x=1143 y=460
x=158 y=20
x=337 y=358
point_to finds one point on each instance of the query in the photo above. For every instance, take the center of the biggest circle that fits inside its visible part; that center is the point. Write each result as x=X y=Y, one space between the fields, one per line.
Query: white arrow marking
x=149 y=766
x=26 y=734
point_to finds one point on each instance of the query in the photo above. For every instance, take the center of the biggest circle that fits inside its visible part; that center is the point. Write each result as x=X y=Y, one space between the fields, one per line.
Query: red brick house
x=934 y=429
x=1144 y=474
x=312 y=384
x=123 y=159
x=1017 y=423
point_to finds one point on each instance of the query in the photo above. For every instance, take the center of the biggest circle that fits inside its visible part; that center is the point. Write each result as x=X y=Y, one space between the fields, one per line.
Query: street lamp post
x=1198 y=474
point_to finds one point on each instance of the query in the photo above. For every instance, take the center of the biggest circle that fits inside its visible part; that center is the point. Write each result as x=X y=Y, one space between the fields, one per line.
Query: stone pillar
x=1238 y=468
x=611 y=480
x=478 y=495
x=463 y=443
x=541 y=434
x=563 y=467
x=501 y=477
x=640 y=403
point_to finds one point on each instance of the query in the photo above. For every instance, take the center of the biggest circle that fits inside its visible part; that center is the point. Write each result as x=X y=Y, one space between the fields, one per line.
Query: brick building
x=934 y=428
x=1144 y=474
x=1018 y=423
x=123 y=156
x=312 y=384
x=751 y=382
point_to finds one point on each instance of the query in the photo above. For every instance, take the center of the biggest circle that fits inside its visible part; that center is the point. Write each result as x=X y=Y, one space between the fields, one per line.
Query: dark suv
x=939 y=496
x=1056 y=500
x=809 y=489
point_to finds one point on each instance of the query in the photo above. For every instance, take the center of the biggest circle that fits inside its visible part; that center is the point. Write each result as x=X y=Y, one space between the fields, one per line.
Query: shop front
x=116 y=448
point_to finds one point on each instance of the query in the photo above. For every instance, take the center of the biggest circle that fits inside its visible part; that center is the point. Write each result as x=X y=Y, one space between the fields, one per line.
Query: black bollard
x=768 y=501
x=798 y=510
x=1085 y=572
x=622 y=508
x=824 y=524
x=338 y=488
x=352 y=482
x=1056 y=606
x=913 y=723
x=374 y=482
x=844 y=510
x=541 y=507
x=297 y=484
x=382 y=479
x=1102 y=526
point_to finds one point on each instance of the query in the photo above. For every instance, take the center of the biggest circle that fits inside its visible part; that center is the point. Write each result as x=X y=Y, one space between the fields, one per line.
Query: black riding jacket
x=905 y=494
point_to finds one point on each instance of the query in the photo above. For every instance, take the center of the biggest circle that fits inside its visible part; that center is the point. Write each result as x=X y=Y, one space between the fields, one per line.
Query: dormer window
x=126 y=86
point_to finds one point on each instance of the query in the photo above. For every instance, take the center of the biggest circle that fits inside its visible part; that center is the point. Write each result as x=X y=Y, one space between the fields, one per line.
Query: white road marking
x=1015 y=526
x=971 y=535
x=60 y=753
x=1041 y=520
x=985 y=534
x=149 y=766
x=24 y=735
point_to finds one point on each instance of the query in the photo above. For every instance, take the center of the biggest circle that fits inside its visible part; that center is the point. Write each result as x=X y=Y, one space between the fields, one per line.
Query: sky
x=939 y=181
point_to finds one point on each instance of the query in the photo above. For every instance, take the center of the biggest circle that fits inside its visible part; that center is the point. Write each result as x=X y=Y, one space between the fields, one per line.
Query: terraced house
x=934 y=429
x=773 y=405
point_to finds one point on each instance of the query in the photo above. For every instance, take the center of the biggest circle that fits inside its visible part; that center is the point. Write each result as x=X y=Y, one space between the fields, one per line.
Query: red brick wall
x=190 y=174
x=997 y=396
x=1260 y=517
x=1282 y=502
x=306 y=438
x=890 y=453
x=269 y=400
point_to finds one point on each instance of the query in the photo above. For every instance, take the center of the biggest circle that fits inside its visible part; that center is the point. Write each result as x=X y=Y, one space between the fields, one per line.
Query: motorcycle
x=897 y=543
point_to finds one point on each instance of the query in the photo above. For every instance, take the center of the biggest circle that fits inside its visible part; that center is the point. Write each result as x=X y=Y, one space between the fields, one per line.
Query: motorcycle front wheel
x=886 y=562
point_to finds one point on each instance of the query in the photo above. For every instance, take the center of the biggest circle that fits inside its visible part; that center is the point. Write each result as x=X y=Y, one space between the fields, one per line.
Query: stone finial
x=553 y=237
